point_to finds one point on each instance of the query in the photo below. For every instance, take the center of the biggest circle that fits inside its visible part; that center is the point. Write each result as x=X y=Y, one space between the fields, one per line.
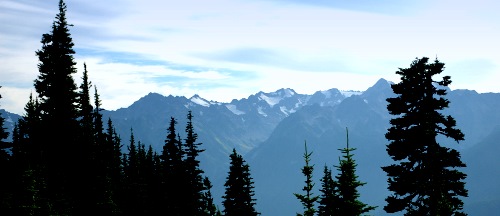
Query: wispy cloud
x=230 y=49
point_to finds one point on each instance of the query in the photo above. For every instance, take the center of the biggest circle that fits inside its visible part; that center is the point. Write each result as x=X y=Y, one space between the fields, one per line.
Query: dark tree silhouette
x=194 y=203
x=174 y=175
x=308 y=199
x=329 y=200
x=348 y=185
x=208 y=208
x=30 y=195
x=59 y=111
x=238 y=198
x=425 y=180
x=5 y=170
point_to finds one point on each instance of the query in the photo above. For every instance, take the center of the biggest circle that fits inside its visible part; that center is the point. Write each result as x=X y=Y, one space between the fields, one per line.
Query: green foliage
x=174 y=175
x=329 y=200
x=238 y=197
x=194 y=203
x=425 y=181
x=307 y=199
x=348 y=185
x=208 y=206
x=341 y=196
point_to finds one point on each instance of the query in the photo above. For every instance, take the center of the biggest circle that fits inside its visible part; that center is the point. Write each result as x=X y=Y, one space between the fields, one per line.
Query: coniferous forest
x=65 y=159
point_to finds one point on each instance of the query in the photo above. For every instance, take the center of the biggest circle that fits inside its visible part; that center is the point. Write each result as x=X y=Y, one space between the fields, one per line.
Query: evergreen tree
x=194 y=204
x=308 y=199
x=208 y=207
x=113 y=166
x=57 y=91
x=151 y=182
x=30 y=197
x=173 y=176
x=347 y=185
x=131 y=171
x=26 y=152
x=155 y=185
x=238 y=198
x=3 y=133
x=98 y=122
x=5 y=169
x=86 y=112
x=426 y=179
x=329 y=200
x=88 y=165
x=107 y=164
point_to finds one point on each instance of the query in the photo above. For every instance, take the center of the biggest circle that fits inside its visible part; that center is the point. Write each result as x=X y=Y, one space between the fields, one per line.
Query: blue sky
x=224 y=50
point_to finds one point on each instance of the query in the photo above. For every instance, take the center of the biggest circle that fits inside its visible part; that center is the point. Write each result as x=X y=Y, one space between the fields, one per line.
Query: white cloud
x=266 y=45
x=14 y=99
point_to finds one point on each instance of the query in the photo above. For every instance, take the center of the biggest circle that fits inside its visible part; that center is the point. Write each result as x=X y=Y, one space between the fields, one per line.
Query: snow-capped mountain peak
x=274 y=98
x=200 y=101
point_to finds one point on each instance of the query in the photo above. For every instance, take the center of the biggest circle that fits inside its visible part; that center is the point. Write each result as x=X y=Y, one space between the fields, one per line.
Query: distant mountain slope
x=269 y=129
x=277 y=162
x=10 y=120
x=241 y=124
x=483 y=175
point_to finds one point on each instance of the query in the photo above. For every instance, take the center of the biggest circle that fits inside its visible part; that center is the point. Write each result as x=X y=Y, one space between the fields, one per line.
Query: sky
x=230 y=49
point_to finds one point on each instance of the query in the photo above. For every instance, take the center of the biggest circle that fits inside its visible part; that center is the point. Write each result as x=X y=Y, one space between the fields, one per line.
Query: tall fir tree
x=173 y=175
x=308 y=199
x=86 y=113
x=329 y=200
x=6 y=171
x=59 y=97
x=156 y=187
x=208 y=208
x=4 y=134
x=131 y=172
x=114 y=164
x=30 y=196
x=238 y=197
x=26 y=151
x=426 y=179
x=88 y=161
x=106 y=163
x=152 y=182
x=194 y=203
x=98 y=122
x=348 y=185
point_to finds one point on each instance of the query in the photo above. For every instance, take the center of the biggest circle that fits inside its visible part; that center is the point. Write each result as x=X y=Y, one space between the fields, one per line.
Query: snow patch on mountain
x=200 y=101
x=234 y=109
x=350 y=93
x=275 y=97
x=270 y=100
x=259 y=109
x=286 y=111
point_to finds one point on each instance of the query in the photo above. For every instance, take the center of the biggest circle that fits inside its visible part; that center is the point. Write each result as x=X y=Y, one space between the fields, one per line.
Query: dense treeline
x=64 y=160
x=339 y=195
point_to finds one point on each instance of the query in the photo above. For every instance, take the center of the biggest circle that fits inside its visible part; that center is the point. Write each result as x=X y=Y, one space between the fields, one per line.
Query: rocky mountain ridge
x=269 y=129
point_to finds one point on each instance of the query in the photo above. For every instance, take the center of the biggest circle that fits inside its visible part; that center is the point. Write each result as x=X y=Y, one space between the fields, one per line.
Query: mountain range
x=270 y=130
